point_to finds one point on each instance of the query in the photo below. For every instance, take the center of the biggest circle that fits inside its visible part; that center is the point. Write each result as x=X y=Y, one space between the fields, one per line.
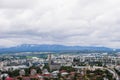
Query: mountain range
x=55 y=48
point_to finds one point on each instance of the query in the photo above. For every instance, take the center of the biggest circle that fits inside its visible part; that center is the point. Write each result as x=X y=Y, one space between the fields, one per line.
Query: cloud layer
x=66 y=22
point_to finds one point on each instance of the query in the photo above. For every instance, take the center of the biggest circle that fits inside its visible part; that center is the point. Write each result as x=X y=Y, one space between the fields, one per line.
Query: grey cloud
x=67 y=22
x=16 y=4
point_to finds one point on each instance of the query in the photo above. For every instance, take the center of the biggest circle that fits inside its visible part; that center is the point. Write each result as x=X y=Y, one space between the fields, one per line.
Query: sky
x=64 y=22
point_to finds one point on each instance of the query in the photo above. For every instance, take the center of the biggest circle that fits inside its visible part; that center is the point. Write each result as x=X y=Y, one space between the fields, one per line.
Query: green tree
x=67 y=68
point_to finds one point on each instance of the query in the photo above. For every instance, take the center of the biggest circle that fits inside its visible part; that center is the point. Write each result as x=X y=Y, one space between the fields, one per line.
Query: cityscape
x=57 y=66
x=59 y=39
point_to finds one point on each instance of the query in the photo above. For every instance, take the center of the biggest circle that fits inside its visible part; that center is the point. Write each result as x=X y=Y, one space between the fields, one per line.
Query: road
x=115 y=75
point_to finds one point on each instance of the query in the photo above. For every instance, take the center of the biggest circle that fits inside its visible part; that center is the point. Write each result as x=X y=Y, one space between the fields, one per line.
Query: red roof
x=62 y=71
x=9 y=78
x=72 y=72
x=48 y=75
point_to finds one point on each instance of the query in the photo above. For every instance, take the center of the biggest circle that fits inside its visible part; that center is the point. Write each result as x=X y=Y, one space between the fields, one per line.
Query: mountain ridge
x=53 y=48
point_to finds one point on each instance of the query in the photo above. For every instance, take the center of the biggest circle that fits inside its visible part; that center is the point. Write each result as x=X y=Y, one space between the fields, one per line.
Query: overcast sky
x=65 y=22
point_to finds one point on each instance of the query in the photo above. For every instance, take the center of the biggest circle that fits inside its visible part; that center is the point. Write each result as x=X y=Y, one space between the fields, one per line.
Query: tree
x=46 y=67
x=68 y=68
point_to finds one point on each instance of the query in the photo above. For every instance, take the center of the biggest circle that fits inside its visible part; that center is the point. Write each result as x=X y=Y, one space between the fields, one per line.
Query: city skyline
x=64 y=22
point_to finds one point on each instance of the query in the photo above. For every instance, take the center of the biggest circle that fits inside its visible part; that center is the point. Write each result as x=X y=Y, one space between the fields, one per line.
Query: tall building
x=49 y=62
